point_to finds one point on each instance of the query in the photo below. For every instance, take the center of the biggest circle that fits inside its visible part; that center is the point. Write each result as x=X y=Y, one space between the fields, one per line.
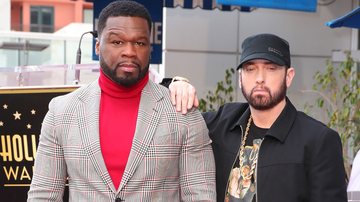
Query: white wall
x=201 y=44
x=5 y=21
x=5 y=15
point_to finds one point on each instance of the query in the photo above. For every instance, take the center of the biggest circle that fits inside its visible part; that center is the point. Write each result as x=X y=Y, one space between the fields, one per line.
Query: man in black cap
x=265 y=150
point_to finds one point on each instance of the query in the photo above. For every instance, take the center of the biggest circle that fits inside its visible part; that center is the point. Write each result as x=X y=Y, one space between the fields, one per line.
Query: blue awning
x=204 y=4
x=296 y=5
x=351 y=20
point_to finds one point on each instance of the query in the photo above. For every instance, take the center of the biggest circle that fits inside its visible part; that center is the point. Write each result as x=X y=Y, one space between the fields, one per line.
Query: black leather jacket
x=300 y=159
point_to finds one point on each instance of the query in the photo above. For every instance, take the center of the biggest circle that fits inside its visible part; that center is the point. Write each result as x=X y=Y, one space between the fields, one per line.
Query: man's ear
x=290 y=73
x=240 y=79
x=97 y=46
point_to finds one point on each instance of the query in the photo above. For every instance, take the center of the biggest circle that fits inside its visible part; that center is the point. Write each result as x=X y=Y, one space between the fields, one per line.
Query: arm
x=49 y=176
x=197 y=165
x=326 y=170
x=183 y=94
x=354 y=181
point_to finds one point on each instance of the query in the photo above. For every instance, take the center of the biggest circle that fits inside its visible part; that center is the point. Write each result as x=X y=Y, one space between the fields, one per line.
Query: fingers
x=176 y=94
x=183 y=96
x=192 y=98
x=179 y=95
x=196 y=102
x=172 y=88
x=184 y=102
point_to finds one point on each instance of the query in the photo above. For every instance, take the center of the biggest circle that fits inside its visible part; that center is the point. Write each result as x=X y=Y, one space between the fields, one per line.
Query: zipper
x=237 y=156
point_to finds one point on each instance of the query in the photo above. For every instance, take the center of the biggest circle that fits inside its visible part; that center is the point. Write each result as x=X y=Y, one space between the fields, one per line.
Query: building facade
x=48 y=15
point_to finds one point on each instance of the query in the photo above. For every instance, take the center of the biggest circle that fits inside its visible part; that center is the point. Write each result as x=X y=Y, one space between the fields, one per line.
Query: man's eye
x=117 y=42
x=272 y=67
x=249 y=68
x=139 y=43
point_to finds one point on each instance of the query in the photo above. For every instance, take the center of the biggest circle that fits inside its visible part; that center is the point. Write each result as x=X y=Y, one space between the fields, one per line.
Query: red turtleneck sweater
x=118 y=114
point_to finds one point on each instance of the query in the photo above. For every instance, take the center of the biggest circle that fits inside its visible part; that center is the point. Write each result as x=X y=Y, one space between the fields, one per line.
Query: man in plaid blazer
x=170 y=156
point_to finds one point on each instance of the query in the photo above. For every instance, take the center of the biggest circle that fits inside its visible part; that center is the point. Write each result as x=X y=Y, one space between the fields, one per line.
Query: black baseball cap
x=265 y=46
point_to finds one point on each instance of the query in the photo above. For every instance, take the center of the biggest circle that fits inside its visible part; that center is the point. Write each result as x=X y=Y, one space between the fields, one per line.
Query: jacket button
x=118 y=200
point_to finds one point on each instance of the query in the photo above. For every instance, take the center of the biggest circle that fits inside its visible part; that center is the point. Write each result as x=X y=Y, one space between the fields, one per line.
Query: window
x=42 y=19
x=88 y=16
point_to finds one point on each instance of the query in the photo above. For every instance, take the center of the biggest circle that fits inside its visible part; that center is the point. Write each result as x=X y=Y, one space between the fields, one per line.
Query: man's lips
x=128 y=67
x=260 y=91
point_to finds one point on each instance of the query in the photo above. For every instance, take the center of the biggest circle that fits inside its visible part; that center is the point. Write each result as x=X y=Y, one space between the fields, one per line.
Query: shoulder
x=315 y=128
x=232 y=110
x=306 y=120
x=83 y=93
x=161 y=95
x=155 y=91
x=233 y=107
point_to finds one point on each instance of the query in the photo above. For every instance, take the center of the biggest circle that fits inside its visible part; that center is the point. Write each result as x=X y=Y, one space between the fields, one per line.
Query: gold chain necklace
x=242 y=151
x=243 y=141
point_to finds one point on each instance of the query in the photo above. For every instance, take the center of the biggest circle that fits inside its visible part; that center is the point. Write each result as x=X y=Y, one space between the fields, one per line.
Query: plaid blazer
x=170 y=159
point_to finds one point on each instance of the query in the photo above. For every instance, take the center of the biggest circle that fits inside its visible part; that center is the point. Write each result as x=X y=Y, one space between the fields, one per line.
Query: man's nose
x=129 y=50
x=260 y=76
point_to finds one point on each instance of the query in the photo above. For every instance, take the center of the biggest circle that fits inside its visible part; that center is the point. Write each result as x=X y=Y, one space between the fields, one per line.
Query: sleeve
x=166 y=82
x=49 y=175
x=326 y=170
x=213 y=120
x=354 y=181
x=197 y=165
x=210 y=117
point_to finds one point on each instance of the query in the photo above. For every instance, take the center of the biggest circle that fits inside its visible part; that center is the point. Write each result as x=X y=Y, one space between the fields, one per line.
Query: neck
x=265 y=118
x=113 y=89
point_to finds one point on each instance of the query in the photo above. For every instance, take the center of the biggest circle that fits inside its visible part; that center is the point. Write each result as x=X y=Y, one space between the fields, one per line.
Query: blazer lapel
x=88 y=121
x=147 y=121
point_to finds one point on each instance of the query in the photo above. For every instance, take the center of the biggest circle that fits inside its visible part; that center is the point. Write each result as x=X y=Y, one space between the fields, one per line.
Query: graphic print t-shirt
x=241 y=183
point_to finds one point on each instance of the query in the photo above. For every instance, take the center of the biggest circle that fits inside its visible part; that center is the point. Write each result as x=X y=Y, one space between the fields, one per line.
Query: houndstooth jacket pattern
x=170 y=160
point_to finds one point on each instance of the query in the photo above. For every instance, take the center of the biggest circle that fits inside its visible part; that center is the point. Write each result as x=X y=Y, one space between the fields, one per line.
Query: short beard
x=123 y=81
x=260 y=102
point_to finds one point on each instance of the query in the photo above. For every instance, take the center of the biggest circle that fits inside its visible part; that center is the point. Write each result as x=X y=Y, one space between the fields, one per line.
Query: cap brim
x=265 y=56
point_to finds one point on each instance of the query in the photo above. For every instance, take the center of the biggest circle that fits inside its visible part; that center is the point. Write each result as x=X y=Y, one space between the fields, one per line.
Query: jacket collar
x=282 y=125
x=242 y=120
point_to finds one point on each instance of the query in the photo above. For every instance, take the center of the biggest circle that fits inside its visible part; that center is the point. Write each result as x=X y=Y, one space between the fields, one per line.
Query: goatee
x=126 y=80
x=261 y=102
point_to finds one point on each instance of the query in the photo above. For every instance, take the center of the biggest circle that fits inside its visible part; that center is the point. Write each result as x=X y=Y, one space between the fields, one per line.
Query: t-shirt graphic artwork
x=242 y=184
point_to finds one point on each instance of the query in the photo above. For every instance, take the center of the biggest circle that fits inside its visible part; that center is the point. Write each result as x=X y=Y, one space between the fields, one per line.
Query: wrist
x=179 y=78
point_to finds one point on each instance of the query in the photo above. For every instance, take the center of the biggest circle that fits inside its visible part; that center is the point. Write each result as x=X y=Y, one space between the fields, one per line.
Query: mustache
x=260 y=88
x=129 y=63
